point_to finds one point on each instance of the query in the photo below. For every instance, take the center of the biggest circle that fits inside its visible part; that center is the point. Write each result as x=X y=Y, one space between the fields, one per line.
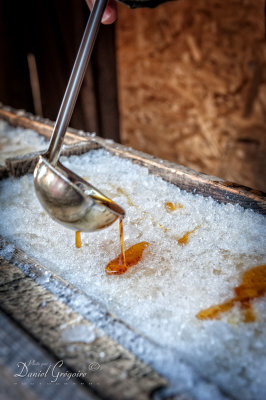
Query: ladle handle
x=75 y=81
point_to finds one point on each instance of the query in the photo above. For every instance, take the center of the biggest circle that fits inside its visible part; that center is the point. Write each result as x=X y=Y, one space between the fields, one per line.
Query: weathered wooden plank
x=17 y=347
x=190 y=180
x=111 y=371
x=3 y=172
x=10 y=274
x=183 y=177
x=10 y=391
x=42 y=126
x=25 y=164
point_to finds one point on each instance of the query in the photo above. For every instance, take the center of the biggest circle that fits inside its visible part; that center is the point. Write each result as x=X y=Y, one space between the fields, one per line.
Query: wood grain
x=192 y=85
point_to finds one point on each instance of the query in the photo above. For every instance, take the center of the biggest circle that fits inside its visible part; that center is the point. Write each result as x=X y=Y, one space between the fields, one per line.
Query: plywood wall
x=192 y=85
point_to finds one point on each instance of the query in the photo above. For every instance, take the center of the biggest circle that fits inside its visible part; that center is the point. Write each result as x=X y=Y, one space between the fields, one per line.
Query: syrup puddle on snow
x=126 y=258
x=252 y=287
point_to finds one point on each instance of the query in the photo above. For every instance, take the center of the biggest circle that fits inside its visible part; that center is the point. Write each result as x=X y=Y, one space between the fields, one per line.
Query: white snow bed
x=18 y=141
x=161 y=295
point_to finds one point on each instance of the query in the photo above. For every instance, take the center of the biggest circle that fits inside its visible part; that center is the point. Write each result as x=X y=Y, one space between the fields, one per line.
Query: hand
x=110 y=13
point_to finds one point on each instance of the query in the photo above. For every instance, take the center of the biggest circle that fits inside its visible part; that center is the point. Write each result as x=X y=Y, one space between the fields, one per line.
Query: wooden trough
x=23 y=287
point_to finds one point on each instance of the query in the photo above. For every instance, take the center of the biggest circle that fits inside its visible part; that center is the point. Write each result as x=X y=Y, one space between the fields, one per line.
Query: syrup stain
x=78 y=240
x=122 y=243
x=129 y=201
x=253 y=286
x=170 y=207
x=185 y=237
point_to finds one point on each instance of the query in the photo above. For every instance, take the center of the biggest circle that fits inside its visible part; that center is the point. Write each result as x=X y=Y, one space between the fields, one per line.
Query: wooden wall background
x=192 y=85
x=191 y=78
x=51 y=31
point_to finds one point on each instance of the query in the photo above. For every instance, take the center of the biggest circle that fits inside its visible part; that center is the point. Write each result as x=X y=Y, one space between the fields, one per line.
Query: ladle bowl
x=72 y=201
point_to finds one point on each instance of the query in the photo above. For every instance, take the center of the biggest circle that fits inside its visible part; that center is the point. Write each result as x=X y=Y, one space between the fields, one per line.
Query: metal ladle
x=67 y=198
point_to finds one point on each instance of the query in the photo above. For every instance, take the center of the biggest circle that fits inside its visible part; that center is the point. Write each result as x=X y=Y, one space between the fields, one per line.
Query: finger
x=110 y=12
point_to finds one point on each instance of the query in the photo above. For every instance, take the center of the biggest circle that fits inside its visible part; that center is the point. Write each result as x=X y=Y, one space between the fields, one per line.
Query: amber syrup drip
x=78 y=240
x=172 y=206
x=185 y=237
x=122 y=256
x=253 y=286
x=126 y=258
